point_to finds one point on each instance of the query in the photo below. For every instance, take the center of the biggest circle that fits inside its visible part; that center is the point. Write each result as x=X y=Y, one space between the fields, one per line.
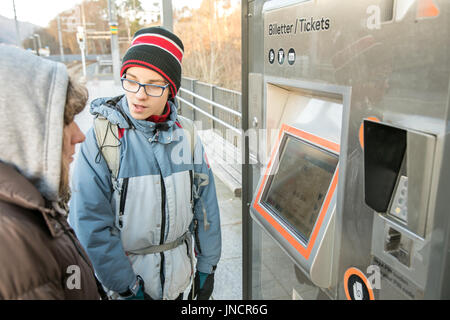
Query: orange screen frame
x=305 y=251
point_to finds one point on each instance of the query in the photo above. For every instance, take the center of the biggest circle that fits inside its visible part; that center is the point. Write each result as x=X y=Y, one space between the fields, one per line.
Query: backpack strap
x=107 y=135
x=188 y=125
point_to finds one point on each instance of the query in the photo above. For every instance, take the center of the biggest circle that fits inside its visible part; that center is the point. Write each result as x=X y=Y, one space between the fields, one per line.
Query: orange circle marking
x=357 y=272
x=361 y=130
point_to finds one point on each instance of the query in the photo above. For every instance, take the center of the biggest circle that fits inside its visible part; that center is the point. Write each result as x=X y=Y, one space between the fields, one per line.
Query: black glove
x=137 y=292
x=205 y=291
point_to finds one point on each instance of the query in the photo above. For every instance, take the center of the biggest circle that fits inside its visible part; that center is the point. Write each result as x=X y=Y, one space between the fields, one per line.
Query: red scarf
x=161 y=118
x=154 y=118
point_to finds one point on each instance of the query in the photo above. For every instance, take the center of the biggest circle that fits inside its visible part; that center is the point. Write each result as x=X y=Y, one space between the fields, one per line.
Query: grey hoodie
x=32 y=100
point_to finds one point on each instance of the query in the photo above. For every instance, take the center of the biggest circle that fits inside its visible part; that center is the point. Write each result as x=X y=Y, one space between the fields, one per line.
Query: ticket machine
x=348 y=196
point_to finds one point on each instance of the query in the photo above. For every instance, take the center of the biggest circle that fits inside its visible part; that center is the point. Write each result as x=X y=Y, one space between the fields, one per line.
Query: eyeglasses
x=152 y=90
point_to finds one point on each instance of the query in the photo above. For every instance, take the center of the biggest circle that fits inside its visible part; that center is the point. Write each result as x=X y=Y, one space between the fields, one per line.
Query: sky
x=40 y=12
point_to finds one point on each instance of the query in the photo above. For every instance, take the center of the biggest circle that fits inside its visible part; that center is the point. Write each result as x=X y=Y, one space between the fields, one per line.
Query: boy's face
x=142 y=105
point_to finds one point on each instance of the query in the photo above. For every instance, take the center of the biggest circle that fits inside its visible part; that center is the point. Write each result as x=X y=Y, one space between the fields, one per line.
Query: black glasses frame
x=145 y=85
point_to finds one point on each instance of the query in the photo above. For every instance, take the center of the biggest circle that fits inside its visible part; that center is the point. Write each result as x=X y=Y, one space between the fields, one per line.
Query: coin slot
x=398 y=246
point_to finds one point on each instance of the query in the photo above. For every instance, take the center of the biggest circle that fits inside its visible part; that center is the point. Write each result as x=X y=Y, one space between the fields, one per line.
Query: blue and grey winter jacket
x=155 y=165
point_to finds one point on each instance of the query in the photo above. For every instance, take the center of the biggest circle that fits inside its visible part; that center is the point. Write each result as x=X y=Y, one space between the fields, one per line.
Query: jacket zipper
x=123 y=197
x=163 y=227
x=191 y=178
x=196 y=238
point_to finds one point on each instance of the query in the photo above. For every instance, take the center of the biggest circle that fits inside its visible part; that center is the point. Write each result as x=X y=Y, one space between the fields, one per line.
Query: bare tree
x=212 y=40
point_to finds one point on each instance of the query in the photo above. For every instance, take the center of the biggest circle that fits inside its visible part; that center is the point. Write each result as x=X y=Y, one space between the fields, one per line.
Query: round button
x=271 y=56
x=291 y=56
x=281 y=56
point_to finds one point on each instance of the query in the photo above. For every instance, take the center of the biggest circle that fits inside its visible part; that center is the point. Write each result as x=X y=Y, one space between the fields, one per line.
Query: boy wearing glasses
x=137 y=223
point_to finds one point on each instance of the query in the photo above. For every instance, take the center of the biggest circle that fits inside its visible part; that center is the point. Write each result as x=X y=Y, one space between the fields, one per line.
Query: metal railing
x=206 y=113
x=219 y=111
x=217 y=108
x=212 y=102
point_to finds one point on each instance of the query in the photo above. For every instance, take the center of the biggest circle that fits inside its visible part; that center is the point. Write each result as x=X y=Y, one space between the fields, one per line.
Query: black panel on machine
x=384 y=152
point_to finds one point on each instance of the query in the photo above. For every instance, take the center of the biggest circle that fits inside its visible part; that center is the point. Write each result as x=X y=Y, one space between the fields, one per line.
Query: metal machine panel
x=391 y=63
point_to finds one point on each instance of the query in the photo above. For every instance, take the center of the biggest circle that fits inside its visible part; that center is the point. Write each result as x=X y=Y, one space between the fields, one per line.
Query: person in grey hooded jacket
x=40 y=256
x=136 y=225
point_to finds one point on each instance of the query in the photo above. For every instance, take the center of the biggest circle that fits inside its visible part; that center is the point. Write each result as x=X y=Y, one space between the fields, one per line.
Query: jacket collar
x=161 y=132
x=151 y=128
x=17 y=190
x=163 y=117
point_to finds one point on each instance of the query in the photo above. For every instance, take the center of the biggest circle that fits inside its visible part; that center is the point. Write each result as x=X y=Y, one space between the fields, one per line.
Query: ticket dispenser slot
x=398 y=166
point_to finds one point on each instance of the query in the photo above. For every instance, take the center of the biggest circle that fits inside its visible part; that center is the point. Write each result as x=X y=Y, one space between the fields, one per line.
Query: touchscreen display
x=299 y=183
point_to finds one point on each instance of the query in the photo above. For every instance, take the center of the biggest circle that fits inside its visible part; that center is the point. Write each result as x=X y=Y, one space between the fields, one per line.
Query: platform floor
x=228 y=278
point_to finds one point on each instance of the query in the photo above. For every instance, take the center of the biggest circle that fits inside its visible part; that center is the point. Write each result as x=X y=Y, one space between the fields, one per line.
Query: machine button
x=399 y=207
x=281 y=56
x=271 y=56
x=291 y=56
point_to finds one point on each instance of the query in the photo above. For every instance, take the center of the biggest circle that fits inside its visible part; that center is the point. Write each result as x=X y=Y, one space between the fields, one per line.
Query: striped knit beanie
x=159 y=50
